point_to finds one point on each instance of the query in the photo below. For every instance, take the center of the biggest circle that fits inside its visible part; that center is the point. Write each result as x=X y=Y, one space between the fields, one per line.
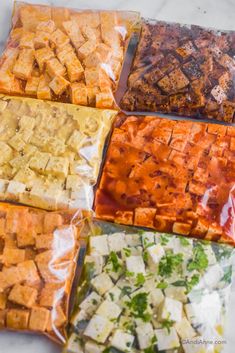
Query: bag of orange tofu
x=66 y=55
x=38 y=256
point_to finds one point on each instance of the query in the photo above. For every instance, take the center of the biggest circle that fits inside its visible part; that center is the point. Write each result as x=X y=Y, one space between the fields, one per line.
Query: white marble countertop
x=211 y=13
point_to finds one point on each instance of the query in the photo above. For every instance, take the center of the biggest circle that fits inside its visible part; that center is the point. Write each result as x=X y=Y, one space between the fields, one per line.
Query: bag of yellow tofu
x=66 y=55
x=50 y=152
x=38 y=259
x=149 y=292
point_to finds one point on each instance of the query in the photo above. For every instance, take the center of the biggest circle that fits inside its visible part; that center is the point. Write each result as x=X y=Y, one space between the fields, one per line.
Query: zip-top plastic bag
x=50 y=152
x=183 y=69
x=174 y=176
x=38 y=259
x=145 y=292
x=66 y=55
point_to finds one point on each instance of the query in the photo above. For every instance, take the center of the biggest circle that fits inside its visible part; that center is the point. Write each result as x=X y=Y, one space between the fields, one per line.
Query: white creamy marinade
x=149 y=292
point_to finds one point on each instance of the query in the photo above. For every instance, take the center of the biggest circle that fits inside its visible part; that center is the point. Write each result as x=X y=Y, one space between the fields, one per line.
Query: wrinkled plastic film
x=143 y=290
x=51 y=152
x=66 y=55
x=183 y=69
x=38 y=258
x=174 y=176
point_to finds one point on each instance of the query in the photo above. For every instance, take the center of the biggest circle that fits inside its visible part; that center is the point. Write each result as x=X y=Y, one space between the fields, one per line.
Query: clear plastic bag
x=50 y=152
x=144 y=292
x=174 y=176
x=183 y=69
x=66 y=55
x=38 y=257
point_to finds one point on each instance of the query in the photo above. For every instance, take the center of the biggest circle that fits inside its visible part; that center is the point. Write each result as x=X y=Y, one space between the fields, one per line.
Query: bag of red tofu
x=38 y=257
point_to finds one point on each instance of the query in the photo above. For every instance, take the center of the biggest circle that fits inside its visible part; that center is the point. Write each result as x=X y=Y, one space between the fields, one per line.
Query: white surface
x=212 y=13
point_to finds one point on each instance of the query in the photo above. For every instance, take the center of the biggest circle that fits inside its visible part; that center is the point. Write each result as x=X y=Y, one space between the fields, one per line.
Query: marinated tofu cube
x=181 y=228
x=105 y=52
x=91 y=95
x=185 y=329
x=122 y=341
x=99 y=245
x=108 y=22
x=28 y=272
x=89 y=33
x=55 y=68
x=104 y=99
x=109 y=310
x=135 y=264
x=39 y=318
x=3 y=301
x=57 y=318
x=74 y=69
x=167 y=339
x=30 y=16
x=2 y=224
x=57 y=166
x=93 y=60
x=51 y=222
x=49 y=294
x=43 y=90
x=171 y=309
x=93 y=77
x=13 y=256
x=66 y=54
x=42 y=56
x=39 y=161
x=74 y=33
x=145 y=335
x=186 y=49
x=59 y=39
x=27 y=40
x=24 y=64
x=44 y=241
x=41 y=39
x=86 y=49
x=232 y=144
x=17 y=319
x=91 y=303
x=102 y=283
x=99 y=328
x=6 y=154
x=78 y=93
x=59 y=85
x=23 y=295
x=46 y=26
x=31 y=87
x=26 y=238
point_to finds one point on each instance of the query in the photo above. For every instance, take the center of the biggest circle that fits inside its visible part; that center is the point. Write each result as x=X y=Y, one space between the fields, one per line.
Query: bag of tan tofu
x=66 y=55
x=38 y=258
x=151 y=292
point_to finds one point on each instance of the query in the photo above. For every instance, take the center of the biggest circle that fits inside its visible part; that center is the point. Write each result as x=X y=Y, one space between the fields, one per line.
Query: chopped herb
x=169 y=263
x=128 y=344
x=164 y=239
x=223 y=252
x=147 y=244
x=200 y=260
x=140 y=279
x=162 y=285
x=139 y=305
x=228 y=274
x=179 y=283
x=111 y=296
x=94 y=302
x=184 y=242
x=114 y=261
x=129 y=274
x=126 y=290
x=166 y=323
x=90 y=270
x=145 y=256
x=192 y=283
x=149 y=350
x=141 y=232
x=127 y=252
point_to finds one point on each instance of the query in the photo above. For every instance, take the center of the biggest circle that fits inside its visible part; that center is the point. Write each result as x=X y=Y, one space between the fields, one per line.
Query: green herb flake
x=162 y=285
x=94 y=302
x=199 y=261
x=139 y=305
x=169 y=263
x=126 y=290
x=140 y=279
x=129 y=274
x=111 y=296
x=127 y=252
x=227 y=278
x=184 y=241
x=164 y=239
x=114 y=261
x=167 y=324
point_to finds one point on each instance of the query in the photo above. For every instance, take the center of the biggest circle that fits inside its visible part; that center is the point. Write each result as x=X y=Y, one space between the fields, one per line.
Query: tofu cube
x=16 y=142
x=213 y=276
x=17 y=319
x=133 y=240
x=96 y=261
x=41 y=39
x=25 y=238
x=155 y=253
x=156 y=297
x=43 y=90
x=102 y=283
x=78 y=93
x=218 y=93
x=51 y=222
x=75 y=70
x=42 y=56
x=44 y=241
x=185 y=329
x=113 y=294
x=88 y=33
x=91 y=94
x=99 y=245
x=178 y=293
x=3 y=301
x=31 y=87
x=74 y=345
x=99 y=328
x=86 y=49
x=59 y=85
x=49 y=293
x=92 y=347
x=23 y=295
x=74 y=33
x=116 y=242
x=91 y=303
x=109 y=310
x=55 y=68
x=122 y=341
x=59 y=39
x=167 y=340
x=6 y=154
x=13 y=256
x=145 y=335
x=46 y=26
x=39 y=319
x=39 y=161
x=66 y=54
x=135 y=264
x=93 y=60
x=171 y=309
x=28 y=273
x=105 y=99
x=58 y=166
x=27 y=40
x=24 y=64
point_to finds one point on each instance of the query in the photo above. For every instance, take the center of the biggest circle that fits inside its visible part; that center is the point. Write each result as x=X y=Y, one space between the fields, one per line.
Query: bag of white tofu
x=66 y=55
x=149 y=292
